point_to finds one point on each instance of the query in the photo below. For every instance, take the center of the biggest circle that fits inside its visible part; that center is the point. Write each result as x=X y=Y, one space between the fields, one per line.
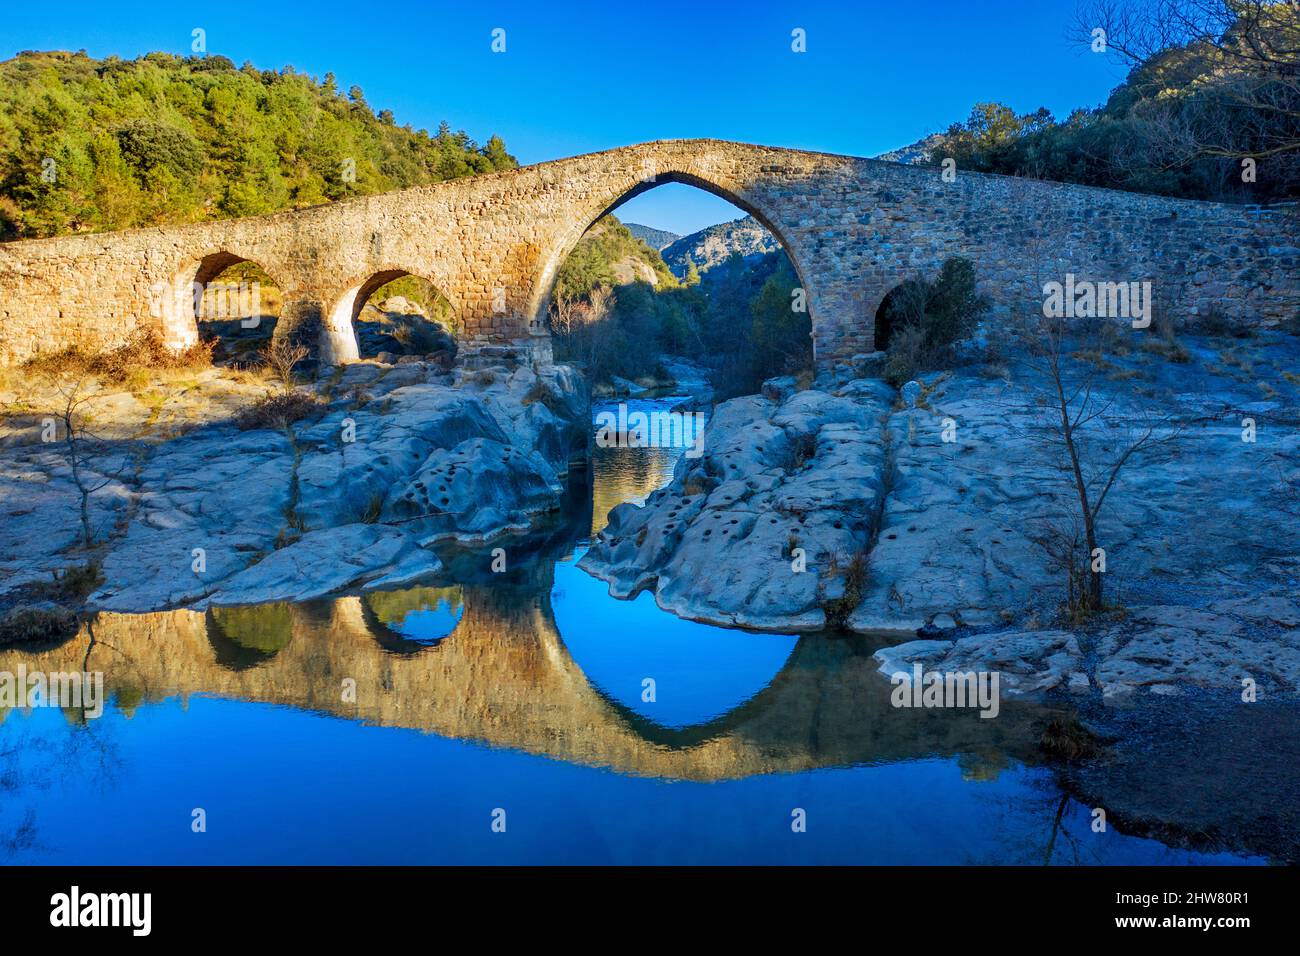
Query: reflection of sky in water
x=289 y=784
x=425 y=615
x=282 y=785
x=428 y=625
x=700 y=672
x=629 y=474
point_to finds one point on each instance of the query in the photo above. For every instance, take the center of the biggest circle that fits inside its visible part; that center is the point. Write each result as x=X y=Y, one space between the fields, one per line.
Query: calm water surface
x=521 y=693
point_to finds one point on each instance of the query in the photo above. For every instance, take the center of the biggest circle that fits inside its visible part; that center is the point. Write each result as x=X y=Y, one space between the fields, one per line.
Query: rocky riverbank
x=190 y=509
x=838 y=506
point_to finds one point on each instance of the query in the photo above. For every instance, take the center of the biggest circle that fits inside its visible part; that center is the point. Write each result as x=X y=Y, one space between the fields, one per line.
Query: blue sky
x=577 y=77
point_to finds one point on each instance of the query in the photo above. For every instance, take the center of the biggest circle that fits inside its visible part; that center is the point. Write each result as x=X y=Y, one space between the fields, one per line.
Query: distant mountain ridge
x=713 y=246
x=914 y=153
x=608 y=254
x=652 y=237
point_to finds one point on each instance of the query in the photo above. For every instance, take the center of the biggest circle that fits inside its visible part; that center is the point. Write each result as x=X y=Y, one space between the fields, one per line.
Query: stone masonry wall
x=854 y=229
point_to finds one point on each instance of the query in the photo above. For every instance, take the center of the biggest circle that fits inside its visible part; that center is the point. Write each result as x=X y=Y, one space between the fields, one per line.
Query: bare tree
x=81 y=448
x=1247 y=53
x=564 y=314
x=1090 y=438
x=1094 y=440
x=581 y=326
x=282 y=356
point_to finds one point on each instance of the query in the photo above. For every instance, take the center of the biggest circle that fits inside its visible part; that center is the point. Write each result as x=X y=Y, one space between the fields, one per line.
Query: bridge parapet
x=853 y=228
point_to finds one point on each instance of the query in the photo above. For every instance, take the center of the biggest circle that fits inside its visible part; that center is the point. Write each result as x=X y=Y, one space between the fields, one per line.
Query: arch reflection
x=504 y=677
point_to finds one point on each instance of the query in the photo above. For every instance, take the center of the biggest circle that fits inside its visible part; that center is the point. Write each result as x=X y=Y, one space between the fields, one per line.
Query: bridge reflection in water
x=488 y=664
x=386 y=727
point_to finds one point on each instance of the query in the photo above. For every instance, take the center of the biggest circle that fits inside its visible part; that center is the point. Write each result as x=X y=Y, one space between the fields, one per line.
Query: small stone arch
x=338 y=331
x=885 y=321
x=540 y=301
x=176 y=303
x=392 y=638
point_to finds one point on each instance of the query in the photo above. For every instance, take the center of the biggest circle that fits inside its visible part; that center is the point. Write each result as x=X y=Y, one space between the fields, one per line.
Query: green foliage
x=264 y=628
x=737 y=317
x=781 y=337
x=89 y=145
x=424 y=294
x=924 y=319
x=599 y=253
x=1178 y=125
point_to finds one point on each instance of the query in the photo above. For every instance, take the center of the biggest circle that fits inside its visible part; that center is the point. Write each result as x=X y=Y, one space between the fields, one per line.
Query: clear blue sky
x=578 y=77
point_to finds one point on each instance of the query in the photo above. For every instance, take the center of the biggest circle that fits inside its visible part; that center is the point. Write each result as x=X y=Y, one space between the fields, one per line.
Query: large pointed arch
x=544 y=284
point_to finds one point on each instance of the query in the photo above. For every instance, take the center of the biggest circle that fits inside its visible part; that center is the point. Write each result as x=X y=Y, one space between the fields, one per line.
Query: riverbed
x=510 y=711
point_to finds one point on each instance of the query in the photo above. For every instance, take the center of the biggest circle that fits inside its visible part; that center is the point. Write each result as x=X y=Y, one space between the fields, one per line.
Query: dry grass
x=541 y=392
x=853 y=572
x=132 y=364
x=1167 y=349
x=1230 y=357
x=279 y=410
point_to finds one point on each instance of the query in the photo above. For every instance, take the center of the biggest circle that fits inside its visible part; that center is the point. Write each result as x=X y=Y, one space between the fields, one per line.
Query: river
x=523 y=717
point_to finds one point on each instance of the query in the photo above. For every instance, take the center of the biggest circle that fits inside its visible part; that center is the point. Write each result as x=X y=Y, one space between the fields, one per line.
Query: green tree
x=91 y=144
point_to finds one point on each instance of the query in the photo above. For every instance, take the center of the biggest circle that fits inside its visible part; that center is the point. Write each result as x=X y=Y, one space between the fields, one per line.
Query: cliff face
x=654 y=238
x=713 y=246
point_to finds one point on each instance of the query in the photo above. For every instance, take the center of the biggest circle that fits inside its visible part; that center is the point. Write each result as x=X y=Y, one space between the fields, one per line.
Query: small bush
x=143 y=353
x=37 y=624
x=908 y=351
x=281 y=357
x=279 y=410
x=1067 y=739
x=927 y=318
x=78 y=581
x=803 y=449
x=853 y=573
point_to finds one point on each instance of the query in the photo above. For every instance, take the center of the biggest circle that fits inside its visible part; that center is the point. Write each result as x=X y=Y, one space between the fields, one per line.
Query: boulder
x=358 y=556
x=1027 y=662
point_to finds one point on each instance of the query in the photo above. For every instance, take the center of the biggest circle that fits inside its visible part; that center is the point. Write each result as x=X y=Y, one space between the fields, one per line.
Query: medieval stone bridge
x=853 y=228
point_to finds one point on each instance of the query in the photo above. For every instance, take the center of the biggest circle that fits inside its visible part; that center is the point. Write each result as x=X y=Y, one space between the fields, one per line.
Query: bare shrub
x=144 y=352
x=279 y=410
x=852 y=572
x=281 y=357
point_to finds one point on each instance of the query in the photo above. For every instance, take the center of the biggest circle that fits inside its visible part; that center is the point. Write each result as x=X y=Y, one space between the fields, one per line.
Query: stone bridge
x=853 y=229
